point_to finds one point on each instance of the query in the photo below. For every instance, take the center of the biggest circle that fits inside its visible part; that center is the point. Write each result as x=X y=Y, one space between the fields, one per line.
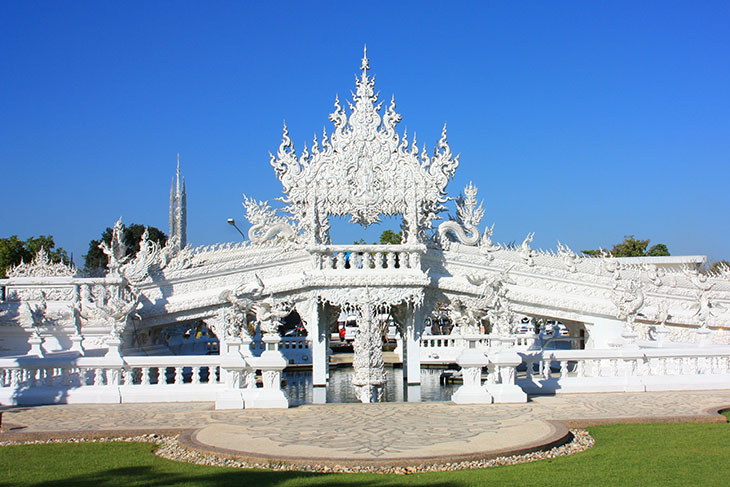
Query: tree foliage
x=13 y=251
x=718 y=265
x=389 y=237
x=132 y=234
x=633 y=247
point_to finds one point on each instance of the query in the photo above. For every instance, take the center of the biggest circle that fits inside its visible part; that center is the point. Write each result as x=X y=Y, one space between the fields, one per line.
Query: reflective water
x=340 y=389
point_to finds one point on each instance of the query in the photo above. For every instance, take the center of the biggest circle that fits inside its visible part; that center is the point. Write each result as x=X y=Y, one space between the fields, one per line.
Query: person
x=342 y=331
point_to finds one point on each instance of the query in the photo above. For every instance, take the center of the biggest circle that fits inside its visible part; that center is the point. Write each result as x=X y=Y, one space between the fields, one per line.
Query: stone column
x=320 y=352
x=314 y=316
x=412 y=356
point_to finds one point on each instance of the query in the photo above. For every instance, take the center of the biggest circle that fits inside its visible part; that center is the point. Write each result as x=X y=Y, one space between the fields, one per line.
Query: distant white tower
x=178 y=210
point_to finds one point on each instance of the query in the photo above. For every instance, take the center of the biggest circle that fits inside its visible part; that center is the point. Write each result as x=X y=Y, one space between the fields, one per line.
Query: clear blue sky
x=581 y=121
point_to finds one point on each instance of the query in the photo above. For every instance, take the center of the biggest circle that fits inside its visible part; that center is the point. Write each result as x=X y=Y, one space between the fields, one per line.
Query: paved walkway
x=385 y=433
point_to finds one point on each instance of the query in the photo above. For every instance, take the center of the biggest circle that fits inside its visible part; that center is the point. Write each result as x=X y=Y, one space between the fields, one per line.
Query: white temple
x=644 y=324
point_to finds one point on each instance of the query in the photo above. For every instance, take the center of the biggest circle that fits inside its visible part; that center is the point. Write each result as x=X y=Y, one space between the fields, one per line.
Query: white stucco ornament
x=364 y=170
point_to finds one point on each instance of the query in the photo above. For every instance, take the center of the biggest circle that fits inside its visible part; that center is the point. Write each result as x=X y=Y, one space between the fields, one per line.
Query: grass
x=654 y=454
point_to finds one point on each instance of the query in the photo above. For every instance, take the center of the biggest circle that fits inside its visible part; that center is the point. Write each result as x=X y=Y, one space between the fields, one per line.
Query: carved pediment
x=365 y=169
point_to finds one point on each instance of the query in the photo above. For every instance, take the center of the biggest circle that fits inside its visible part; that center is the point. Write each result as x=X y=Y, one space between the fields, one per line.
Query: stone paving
x=368 y=433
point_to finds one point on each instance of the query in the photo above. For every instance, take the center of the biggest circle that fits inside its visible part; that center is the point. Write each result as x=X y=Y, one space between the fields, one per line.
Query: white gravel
x=170 y=448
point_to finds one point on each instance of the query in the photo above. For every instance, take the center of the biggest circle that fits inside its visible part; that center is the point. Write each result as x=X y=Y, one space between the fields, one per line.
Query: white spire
x=178 y=209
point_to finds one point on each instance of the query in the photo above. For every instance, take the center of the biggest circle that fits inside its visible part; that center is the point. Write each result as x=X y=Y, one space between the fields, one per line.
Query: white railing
x=445 y=349
x=296 y=350
x=94 y=380
x=618 y=369
x=366 y=257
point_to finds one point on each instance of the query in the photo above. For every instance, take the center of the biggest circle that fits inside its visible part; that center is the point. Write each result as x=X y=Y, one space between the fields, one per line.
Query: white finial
x=365 y=66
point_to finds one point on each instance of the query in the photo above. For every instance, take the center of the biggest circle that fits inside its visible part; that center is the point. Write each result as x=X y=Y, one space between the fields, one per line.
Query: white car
x=351 y=331
x=525 y=329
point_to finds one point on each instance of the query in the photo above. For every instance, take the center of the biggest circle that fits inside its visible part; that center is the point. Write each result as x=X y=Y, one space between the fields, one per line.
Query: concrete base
x=269 y=399
x=60 y=395
x=319 y=395
x=472 y=395
x=413 y=393
x=507 y=393
x=229 y=399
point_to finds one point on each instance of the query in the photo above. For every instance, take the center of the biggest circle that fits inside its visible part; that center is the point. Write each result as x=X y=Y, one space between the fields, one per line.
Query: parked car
x=524 y=329
x=351 y=331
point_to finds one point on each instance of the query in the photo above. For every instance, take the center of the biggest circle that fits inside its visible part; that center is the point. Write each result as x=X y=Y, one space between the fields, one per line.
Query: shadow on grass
x=150 y=476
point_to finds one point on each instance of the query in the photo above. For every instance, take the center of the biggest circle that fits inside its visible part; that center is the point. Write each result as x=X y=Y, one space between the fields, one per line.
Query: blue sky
x=580 y=121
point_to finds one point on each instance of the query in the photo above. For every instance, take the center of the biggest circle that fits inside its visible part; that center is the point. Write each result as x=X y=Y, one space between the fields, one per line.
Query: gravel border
x=169 y=447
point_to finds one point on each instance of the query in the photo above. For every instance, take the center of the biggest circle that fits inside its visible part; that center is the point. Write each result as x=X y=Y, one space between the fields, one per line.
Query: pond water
x=340 y=389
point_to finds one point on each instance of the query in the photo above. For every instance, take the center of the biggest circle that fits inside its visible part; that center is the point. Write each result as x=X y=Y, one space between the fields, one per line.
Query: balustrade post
x=36 y=346
x=471 y=361
x=390 y=260
x=76 y=344
x=506 y=391
x=231 y=360
x=271 y=363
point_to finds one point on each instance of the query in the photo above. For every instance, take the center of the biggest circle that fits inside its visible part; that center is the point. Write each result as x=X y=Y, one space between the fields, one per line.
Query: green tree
x=132 y=234
x=658 y=250
x=390 y=237
x=632 y=247
x=718 y=265
x=13 y=251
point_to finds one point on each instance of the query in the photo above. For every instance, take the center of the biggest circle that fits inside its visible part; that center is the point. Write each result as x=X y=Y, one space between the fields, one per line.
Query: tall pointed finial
x=178 y=209
x=365 y=66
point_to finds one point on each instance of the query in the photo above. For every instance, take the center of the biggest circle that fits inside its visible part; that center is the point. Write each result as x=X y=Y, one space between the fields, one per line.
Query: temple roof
x=365 y=169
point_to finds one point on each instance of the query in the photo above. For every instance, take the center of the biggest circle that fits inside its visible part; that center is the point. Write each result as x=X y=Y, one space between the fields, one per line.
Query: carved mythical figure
x=628 y=302
x=569 y=257
x=466 y=317
x=148 y=256
x=654 y=273
x=242 y=300
x=113 y=307
x=116 y=252
x=268 y=314
x=246 y=294
x=468 y=217
x=265 y=224
x=525 y=251
x=486 y=243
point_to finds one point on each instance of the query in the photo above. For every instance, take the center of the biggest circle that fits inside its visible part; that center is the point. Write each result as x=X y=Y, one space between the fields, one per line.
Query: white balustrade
x=296 y=350
x=617 y=369
x=367 y=257
x=90 y=379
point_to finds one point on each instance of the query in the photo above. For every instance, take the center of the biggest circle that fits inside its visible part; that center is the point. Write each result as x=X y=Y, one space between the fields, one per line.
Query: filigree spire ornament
x=365 y=170
x=41 y=266
x=117 y=250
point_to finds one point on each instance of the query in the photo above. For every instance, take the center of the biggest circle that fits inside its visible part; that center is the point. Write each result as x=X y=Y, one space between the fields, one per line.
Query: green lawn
x=655 y=454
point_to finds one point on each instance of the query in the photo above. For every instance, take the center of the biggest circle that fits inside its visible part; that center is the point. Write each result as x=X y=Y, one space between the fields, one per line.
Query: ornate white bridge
x=651 y=324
